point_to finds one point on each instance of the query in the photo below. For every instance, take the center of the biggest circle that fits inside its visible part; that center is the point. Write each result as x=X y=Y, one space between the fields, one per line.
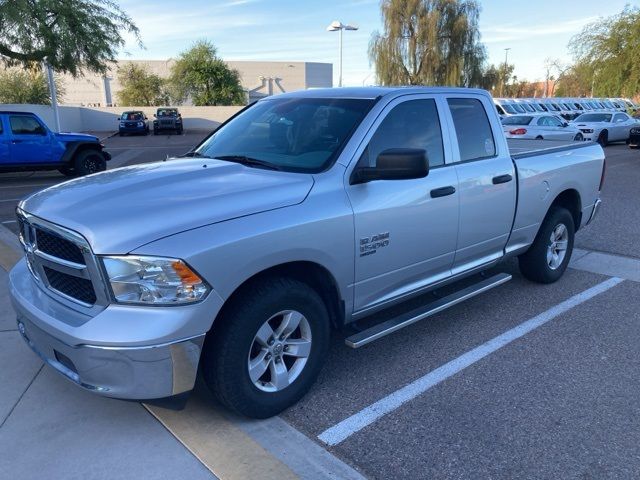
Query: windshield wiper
x=250 y=162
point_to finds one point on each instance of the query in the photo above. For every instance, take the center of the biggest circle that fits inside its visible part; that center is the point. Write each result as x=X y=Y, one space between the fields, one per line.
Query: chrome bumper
x=594 y=212
x=140 y=372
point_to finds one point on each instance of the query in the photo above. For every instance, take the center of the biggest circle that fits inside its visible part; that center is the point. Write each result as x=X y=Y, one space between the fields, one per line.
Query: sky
x=288 y=30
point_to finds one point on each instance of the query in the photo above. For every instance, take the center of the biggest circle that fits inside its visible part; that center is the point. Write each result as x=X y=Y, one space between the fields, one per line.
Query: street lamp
x=337 y=26
x=504 y=77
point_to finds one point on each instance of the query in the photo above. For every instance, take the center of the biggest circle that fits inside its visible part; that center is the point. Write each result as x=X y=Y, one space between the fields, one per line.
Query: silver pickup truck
x=305 y=212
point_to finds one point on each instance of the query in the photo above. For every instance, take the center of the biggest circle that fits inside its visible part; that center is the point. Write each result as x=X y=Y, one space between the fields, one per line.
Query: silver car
x=540 y=127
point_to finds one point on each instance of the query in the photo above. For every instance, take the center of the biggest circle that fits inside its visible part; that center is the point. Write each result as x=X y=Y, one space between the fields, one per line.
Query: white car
x=540 y=127
x=605 y=127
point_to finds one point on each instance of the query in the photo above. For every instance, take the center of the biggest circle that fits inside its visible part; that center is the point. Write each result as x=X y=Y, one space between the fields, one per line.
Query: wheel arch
x=74 y=148
x=313 y=274
x=570 y=199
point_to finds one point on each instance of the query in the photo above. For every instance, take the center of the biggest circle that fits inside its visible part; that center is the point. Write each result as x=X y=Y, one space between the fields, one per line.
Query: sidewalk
x=49 y=428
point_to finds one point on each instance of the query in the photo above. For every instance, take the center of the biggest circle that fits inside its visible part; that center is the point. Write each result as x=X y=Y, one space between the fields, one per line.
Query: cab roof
x=374 y=92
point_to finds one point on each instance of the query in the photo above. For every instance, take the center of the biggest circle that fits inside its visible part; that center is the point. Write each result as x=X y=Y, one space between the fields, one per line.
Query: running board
x=389 y=326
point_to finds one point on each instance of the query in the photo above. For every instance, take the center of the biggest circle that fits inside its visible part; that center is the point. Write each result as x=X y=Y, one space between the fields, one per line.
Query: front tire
x=88 y=162
x=578 y=138
x=603 y=138
x=268 y=347
x=549 y=255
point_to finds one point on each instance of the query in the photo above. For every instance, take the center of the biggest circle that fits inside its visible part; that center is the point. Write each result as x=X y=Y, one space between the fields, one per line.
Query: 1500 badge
x=370 y=245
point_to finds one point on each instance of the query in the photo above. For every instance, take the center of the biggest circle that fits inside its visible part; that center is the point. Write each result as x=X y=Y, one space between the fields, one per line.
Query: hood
x=76 y=137
x=122 y=209
x=590 y=124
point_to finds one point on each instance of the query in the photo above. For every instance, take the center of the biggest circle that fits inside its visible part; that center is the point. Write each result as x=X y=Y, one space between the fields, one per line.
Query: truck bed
x=521 y=148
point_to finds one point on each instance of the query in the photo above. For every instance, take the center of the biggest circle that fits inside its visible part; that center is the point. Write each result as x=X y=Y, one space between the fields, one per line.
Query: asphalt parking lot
x=524 y=381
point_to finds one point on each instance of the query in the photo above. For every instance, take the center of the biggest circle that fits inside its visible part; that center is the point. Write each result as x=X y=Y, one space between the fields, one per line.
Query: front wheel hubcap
x=279 y=351
x=558 y=244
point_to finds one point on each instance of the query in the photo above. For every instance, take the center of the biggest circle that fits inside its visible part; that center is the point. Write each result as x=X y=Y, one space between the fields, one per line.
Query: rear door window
x=473 y=130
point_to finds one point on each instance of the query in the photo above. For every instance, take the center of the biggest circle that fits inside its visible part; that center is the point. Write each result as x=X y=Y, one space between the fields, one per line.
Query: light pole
x=337 y=26
x=504 y=77
x=54 y=94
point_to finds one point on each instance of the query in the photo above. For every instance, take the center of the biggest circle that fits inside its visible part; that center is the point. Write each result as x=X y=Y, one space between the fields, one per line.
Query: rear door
x=405 y=230
x=486 y=180
x=30 y=140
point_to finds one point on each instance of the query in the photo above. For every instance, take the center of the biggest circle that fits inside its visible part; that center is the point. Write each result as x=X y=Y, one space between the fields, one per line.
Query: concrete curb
x=10 y=249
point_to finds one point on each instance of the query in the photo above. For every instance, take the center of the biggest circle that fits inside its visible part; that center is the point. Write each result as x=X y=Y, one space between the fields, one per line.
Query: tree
x=576 y=81
x=71 y=35
x=26 y=85
x=434 y=42
x=199 y=74
x=140 y=87
x=610 y=48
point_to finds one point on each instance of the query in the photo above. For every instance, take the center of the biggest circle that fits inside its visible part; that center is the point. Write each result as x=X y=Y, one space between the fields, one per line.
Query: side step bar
x=389 y=326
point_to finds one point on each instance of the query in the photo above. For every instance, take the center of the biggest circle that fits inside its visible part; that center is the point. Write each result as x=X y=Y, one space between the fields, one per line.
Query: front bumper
x=141 y=372
x=135 y=373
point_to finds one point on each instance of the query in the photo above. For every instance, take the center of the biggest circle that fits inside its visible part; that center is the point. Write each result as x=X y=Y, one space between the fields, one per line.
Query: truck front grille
x=61 y=262
x=71 y=286
x=59 y=247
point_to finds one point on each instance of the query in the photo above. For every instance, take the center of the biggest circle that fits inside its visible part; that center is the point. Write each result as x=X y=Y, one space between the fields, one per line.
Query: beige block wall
x=258 y=78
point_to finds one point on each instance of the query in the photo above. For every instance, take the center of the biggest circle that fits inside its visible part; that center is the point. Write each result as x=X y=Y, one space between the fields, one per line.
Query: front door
x=405 y=230
x=30 y=140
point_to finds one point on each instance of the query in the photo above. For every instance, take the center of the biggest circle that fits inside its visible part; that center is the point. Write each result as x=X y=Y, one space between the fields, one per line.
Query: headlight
x=153 y=280
x=587 y=130
x=122 y=124
x=140 y=124
x=635 y=130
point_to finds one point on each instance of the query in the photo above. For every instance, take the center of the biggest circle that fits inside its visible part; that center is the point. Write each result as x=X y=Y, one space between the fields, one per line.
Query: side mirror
x=565 y=124
x=146 y=118
x=395 y=164
x=155 y=116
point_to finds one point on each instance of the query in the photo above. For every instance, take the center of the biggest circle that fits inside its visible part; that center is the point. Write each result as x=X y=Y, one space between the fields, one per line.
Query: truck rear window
x=473 y=130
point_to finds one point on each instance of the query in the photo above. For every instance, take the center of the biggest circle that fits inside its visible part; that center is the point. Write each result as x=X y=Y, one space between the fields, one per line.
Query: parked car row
x=598 y=127
x=567 y=108
x=135 y=122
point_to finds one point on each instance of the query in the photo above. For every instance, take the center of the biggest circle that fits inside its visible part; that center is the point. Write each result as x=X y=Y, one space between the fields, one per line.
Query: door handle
x=442 y=191
x=16 y=141
x=502 y=179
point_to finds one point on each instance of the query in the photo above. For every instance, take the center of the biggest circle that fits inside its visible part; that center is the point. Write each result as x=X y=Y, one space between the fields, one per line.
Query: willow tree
x=428 y=42
x=610 y=48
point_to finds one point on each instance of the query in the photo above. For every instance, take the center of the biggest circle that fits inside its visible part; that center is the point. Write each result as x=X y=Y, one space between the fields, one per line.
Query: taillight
x=604 y=169
x=518 y=131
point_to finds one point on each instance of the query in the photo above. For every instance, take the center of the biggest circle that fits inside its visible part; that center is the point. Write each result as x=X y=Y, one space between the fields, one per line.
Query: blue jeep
x=27 y=144
x=134 y=122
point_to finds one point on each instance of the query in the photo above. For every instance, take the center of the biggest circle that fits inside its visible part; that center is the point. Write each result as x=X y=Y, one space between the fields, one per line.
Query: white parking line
x=343 y=430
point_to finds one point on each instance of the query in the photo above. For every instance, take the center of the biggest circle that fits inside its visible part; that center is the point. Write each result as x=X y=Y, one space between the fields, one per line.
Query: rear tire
x=548 y=257
x=89 y=161
x=246 y=339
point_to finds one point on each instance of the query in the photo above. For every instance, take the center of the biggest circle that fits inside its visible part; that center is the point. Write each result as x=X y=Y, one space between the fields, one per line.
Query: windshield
x=293 y=134
x=132 y=116
x=594 y=117
x=167 y=112
x=528 y=107
x=517 y=120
